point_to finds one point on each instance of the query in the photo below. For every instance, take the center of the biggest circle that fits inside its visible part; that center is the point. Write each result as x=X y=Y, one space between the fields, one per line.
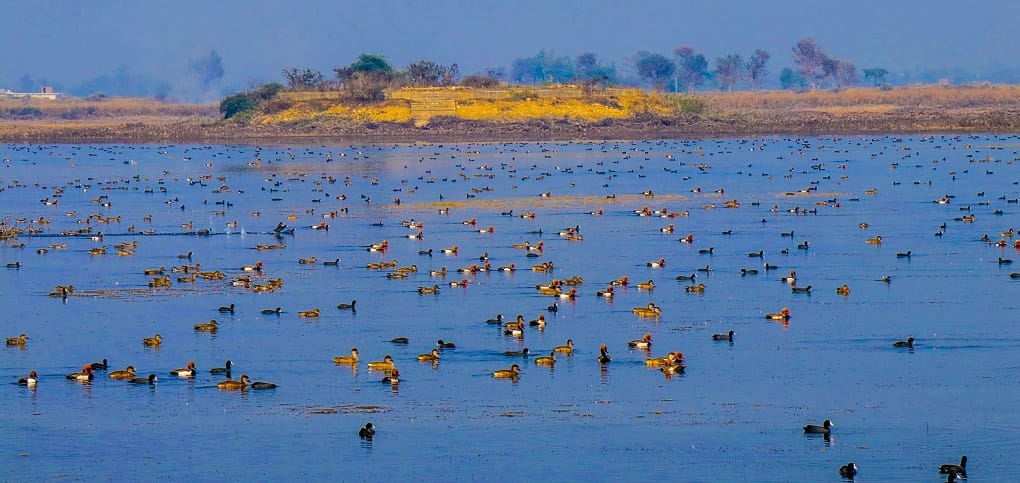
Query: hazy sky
x=74 y=40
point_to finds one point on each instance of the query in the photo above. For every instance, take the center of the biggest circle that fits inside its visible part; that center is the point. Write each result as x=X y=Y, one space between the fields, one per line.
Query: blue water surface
x=736 y=413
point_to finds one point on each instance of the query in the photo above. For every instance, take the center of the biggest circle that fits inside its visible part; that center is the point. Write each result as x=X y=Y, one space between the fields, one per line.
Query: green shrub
x=238 y=103
x=266 y=92
x=689 y=104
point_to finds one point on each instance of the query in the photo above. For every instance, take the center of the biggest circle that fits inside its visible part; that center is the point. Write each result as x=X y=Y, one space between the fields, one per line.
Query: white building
x=45 y=93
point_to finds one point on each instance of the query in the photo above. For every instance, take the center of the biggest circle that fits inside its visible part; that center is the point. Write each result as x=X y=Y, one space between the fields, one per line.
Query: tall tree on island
x=877 y=75
x=810 y=61
x=654 y=68
x=728 y=71
x=691 y=67
x=757 y=68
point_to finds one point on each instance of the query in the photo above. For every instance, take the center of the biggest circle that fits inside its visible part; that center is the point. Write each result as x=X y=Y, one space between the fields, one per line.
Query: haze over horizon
x=70 y=44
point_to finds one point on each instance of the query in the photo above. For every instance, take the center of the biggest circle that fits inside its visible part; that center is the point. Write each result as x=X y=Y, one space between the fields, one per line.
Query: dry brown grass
x=73 y=108
x=929 y=96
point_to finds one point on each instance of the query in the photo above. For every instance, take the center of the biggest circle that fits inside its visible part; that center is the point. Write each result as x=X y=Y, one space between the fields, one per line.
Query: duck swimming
x=385 y=364
x=604 y=355
x=434 y=289
x=512 y=373
x=185 y=371
x=726 y=337
x=210 y=326
x=232 y=385
x=791 y=278
x=960 y=469
x=309 y=313
x=651 y=310
x=143 y=380
x=222 y=370
x=30 y=380
x=351 y=359
x=825 y=428
x=905 y=343
x=848 y=470
x=645 y=342
x=546 y=360
x=660 y=263
x=781 y=315
x=367 y=432
x=566 y=349
x=127 y=373
x=696 y=288
x=86 y=374
x=350 y=306
x=153 y=341
x=19 y=340
x=430 y=357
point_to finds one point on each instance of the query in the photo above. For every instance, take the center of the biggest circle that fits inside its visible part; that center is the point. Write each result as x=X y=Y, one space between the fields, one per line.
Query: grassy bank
x=522 y=113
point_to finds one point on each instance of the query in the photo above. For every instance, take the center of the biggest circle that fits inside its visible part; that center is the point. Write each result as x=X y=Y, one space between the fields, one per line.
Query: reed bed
x=74 y=108
x=926 y=96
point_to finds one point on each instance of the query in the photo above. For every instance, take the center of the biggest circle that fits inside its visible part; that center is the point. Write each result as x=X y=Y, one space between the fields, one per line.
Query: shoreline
x=733 y=124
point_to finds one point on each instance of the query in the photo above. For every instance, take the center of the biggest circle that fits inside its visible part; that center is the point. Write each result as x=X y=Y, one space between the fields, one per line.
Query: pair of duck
x=127 y=374
x=672 y=363
x=243 y=384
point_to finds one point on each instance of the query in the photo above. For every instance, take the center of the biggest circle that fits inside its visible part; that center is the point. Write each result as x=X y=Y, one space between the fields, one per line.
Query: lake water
x=736 y=413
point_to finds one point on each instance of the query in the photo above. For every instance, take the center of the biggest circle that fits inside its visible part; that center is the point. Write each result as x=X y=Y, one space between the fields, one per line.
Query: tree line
x=685 y=70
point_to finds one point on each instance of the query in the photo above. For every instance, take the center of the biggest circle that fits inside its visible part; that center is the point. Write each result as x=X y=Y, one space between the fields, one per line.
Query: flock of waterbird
x=18 y=232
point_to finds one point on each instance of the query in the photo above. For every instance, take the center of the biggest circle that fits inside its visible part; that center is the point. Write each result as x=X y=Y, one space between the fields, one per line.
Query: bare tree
x=344 y=74
x=449 y=75
x=728 y=71
x=424 y=73
x=691 y=67
x=809 y=59
x=845 y=74
x=757 y=68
